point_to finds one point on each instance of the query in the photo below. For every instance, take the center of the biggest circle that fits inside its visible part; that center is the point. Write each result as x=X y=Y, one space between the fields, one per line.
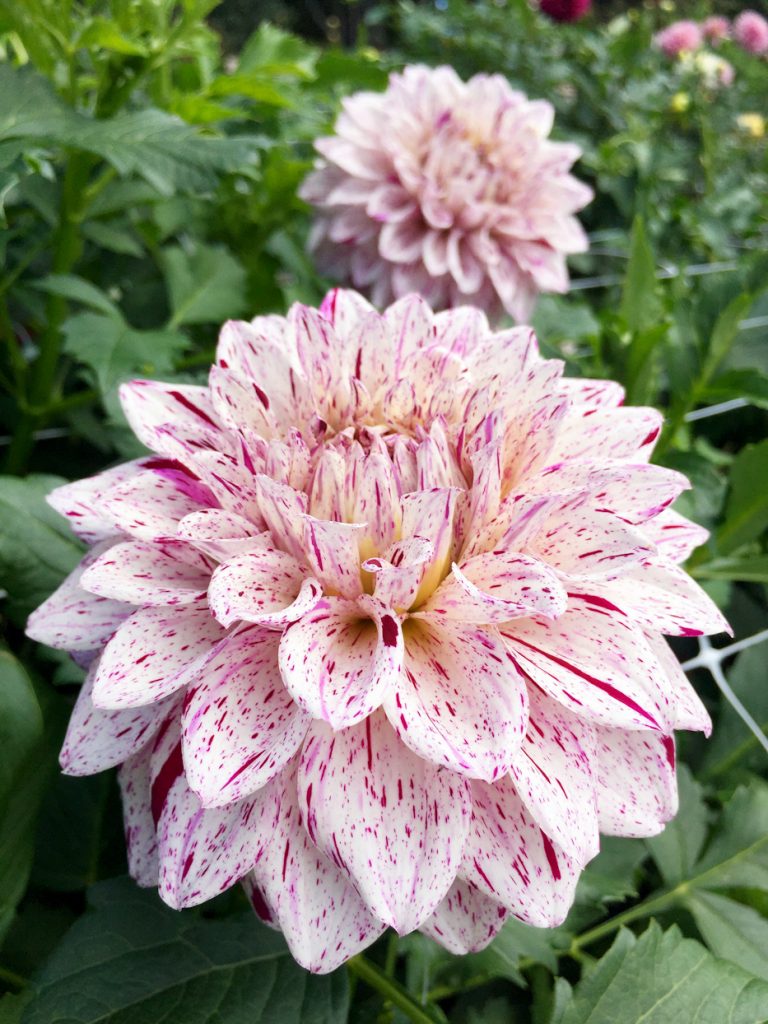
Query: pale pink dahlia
x=679 y=37
x=450 y=189
x=377 y=628
x=750 y=30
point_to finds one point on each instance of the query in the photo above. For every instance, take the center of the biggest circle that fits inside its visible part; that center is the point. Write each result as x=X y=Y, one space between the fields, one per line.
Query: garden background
x=150 y=155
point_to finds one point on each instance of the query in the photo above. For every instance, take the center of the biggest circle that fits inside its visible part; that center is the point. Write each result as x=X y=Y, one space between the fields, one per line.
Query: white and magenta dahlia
x=377 y=627
x=450 y=189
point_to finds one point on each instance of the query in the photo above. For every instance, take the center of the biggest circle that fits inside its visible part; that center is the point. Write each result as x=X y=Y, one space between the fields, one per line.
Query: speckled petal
x=624 y=433
x=140 y=836
x=201 y=851
x=675 y=536
x=318 y=909
x=99 y=739
x=169 y=418
x=240 y=725
x=333 y=555
x=400 y=571
x=636 y=782
x=72 y=619
x=497 y=587
x=395 y=823
x=460 y=701
x=510 y=859
x=588 y=543
x=221 y=535
x=265 y=585
x=466 y=921
x=593 y=664
x=553 y=773
x=686 y=709
x=342 y=659
x=150 y=505
x=80 y=501
x=140 y=573
x=154 y=653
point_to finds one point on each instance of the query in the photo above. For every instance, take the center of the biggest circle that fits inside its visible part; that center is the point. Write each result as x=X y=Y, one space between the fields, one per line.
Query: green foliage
x=148 y=192
x=130 y=958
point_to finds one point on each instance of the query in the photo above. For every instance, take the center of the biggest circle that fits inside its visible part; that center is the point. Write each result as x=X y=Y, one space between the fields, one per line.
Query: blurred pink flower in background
x=750 y=30
x=450 y=189
x=679 y=37
x=378 y=628
x=565 y=10
x=716 y=28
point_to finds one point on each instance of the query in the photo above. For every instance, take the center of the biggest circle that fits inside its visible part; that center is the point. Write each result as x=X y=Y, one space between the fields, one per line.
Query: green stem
x=393 y=991
x=655 y=905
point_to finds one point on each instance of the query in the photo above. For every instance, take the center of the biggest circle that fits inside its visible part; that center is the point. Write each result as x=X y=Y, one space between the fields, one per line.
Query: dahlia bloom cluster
x=450 y=189
x=712 y=70
x=749 y=30
x=376 y=628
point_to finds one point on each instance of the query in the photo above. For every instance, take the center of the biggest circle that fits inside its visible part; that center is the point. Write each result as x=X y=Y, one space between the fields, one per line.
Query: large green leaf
x=116 y=352
x=738 y=855
x=21 y=723
x=662 y=978
x=206 y=284
x=732 y=930
x=36 y=547
x=169 y=154
x=132 y=960
x=746 y=512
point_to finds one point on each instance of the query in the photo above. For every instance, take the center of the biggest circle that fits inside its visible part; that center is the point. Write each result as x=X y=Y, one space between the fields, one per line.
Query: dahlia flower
x=450 y=189
x=713 y=71
x=565 y=10
x=679 y=37
x=716 y=28
x=376 y=628
x=750 y=30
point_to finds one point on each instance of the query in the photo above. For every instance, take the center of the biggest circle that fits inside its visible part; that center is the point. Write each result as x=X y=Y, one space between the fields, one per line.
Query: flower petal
x=675 y=536
x=553 y=773
x=98 y=739
x=201 y=852
x=394 y=823
x=593 y=664
x=341 y=659
x=466 y=921
x=636 y=782
x=240 y=725
x=318 y=909
x=154 y=653
x=686 y=710
x=81 y=501
x=400 y=572
x=333 y=555
x=264 y=585
x=460 y=701
x=582 y=542
x=170 y=418
x=510 y=859
x=72 y=619
x=221 y=534
x=497 y=587
x=170 y=573
x=140 y=837
x=150 y=505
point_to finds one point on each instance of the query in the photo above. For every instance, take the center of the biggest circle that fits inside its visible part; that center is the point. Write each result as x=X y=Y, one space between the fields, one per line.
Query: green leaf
x=746 y=511
x=36 y=548
x=254 y=87
x=676 y=850
x=732 y=931
x=21 y=723
x=662 y=978
x=169 y=154
x=131 y=959
x=102 y=34
x=12 y=1007
x=272 y=51
x=744 y=568
x=206 y=284
x=738 y=855
x=78 y=289
x=116 y=352
x=640 y=307
x=724 y=333
x=111 y=237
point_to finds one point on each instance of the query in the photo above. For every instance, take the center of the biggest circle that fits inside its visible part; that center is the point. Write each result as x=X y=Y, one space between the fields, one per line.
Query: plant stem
x=393 y=991
x=656 y=904
x=12 y=979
